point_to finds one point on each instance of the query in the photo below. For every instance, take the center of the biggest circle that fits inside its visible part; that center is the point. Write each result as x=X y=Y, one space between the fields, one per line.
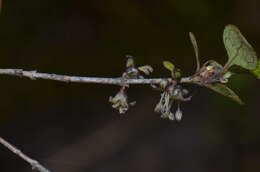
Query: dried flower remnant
x=211 y=72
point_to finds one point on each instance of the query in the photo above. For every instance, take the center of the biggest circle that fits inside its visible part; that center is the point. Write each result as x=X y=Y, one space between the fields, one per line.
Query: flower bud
x=178 y=114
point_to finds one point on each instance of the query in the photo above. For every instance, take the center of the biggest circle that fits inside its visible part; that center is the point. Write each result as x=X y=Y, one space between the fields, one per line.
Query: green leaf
x=256 y=72
x=168 y=65
x=239 y=51
x=196 y=49
x=225 y=91
x=147 y=69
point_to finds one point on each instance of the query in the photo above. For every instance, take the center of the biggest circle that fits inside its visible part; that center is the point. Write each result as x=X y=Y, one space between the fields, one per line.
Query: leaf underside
x=239 y=51
x=225 y=91
x=196 y=49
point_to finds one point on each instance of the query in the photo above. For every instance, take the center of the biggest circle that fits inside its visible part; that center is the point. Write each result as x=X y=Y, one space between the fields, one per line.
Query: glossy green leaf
x=168 y=65
x=239 y=51
x=256 y=72
x=196 y=49
x=225 y=91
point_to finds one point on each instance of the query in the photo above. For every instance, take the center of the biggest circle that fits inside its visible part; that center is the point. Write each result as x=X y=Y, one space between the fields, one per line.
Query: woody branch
x=35 y=164
x=79 y=79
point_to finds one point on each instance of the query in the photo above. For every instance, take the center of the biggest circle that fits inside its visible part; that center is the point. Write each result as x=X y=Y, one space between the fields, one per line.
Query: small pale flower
x=171 y=116
x=164 y=106
x=178 y=114
x=120 y=101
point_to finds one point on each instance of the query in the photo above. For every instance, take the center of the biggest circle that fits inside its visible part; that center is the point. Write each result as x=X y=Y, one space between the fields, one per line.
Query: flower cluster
x=171 y=94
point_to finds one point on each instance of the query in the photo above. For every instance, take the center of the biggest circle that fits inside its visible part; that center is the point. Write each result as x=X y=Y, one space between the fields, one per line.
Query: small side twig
x=35 y=164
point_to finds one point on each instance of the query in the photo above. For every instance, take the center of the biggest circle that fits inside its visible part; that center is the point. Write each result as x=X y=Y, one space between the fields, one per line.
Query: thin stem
x=35 y=164
x=98 y=80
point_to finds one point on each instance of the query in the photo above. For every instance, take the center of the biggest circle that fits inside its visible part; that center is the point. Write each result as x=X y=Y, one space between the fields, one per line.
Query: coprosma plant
x=211 y=75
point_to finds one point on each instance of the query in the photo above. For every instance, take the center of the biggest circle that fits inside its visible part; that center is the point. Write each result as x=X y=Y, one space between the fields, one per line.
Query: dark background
x=72 y=127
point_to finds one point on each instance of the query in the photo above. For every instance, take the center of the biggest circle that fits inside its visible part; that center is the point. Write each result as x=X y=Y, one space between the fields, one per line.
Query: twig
x=35 y=164
x=65 y=78
x=98 y=80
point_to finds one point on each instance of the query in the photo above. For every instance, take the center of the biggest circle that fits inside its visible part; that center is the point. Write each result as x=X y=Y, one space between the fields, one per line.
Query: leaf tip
x=168 y=65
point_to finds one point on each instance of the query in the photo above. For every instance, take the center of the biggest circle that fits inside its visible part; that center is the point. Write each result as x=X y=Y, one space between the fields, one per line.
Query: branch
x=35 y=164
x=98 y=80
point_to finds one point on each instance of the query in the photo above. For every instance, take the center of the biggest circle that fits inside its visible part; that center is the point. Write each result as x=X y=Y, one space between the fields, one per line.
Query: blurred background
x=72 y=127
